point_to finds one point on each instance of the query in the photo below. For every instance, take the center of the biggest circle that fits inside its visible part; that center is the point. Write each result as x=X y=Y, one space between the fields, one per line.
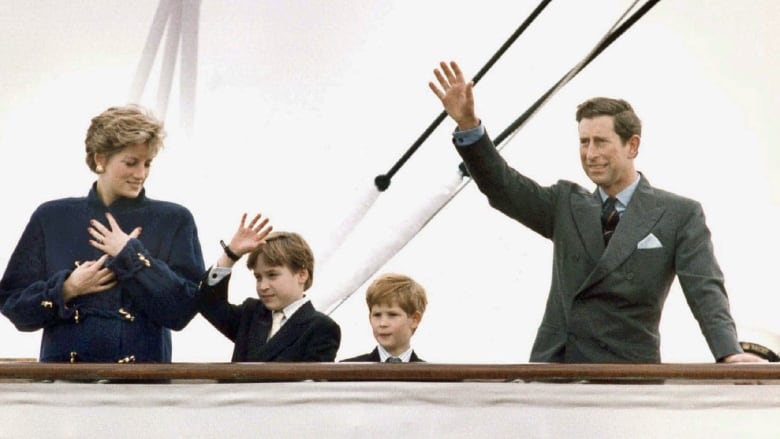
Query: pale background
x=301 y=104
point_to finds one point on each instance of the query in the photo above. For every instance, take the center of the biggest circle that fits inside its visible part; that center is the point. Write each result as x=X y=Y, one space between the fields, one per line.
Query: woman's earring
x=99 y=169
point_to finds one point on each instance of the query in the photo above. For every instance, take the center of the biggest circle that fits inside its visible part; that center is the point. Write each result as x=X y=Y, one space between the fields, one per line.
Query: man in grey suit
x=613 y=266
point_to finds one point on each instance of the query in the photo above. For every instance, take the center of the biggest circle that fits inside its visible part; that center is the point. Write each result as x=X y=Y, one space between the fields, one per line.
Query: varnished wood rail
x=762 y=373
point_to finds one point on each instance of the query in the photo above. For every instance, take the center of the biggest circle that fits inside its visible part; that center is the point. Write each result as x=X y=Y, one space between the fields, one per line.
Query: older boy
x=396 y=304
x=283 y=325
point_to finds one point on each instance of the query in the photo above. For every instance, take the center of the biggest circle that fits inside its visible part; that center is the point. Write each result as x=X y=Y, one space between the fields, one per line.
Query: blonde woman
x=107 y=276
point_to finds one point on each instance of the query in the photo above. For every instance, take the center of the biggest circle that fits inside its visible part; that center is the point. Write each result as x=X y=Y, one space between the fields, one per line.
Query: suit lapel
x=259 y=327
x=586 y=215
x=642 y=213
x=288 y=333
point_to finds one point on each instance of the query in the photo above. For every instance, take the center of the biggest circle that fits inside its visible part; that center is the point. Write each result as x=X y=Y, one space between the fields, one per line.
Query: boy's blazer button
x=630 y=276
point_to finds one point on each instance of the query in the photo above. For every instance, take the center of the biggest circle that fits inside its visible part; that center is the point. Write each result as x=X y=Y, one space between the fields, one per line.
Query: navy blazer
x=373 y=356
x=604 y=304
x=307 y=335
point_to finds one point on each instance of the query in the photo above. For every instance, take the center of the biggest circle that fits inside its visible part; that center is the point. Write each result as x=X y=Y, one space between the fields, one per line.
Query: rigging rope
x=382 y=182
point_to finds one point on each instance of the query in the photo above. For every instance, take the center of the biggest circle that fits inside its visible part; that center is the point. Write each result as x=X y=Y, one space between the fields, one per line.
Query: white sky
x=301 y=104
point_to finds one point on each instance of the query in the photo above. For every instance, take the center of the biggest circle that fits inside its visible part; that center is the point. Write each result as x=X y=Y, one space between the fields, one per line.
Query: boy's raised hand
x=250 y=236
x=456 y=94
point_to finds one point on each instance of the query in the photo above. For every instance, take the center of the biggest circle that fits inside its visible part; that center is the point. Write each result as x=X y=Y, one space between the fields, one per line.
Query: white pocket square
x=648 y=242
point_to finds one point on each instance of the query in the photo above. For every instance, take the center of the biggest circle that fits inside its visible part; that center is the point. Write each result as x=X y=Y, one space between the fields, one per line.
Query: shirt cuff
x=216 y=274
x=468 y=137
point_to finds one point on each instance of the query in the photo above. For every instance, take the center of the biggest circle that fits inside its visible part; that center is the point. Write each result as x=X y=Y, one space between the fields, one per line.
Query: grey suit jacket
x=604 y=305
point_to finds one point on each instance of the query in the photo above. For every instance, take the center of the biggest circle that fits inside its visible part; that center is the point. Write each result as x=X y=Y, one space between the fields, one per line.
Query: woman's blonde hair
x=117 y=127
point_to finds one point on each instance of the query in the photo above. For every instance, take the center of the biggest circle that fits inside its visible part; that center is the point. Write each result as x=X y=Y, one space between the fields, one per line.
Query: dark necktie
x=609 y=218
x=393 y=360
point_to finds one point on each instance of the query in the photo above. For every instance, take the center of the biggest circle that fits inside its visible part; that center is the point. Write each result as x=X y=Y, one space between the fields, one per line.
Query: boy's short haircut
x=392 y=288
x=288 y=249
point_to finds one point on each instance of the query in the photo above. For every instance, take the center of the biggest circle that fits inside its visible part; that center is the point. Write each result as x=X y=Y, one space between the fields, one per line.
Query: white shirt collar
x=291 y=308
x=384 y=355
x=624 y=196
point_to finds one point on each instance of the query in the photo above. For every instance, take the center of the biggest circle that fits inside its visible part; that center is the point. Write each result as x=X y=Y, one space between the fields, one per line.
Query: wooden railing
x=763 y=373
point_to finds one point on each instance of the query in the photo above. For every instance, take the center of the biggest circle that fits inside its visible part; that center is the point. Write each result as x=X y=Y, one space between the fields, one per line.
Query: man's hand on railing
x=744 y=357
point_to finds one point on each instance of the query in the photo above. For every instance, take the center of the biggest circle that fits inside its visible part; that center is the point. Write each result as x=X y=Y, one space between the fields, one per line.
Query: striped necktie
x=393 y=360
x=609 y=218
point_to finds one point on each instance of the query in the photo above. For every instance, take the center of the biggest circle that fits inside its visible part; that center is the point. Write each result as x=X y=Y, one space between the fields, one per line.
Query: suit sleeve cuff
x=468 y=137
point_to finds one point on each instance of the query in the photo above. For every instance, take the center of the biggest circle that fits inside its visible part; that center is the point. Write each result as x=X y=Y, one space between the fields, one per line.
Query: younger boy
x=283 y=325
x=396 y=304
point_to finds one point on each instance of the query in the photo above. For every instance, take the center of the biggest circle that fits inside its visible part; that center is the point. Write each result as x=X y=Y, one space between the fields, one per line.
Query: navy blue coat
x=157 y=277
